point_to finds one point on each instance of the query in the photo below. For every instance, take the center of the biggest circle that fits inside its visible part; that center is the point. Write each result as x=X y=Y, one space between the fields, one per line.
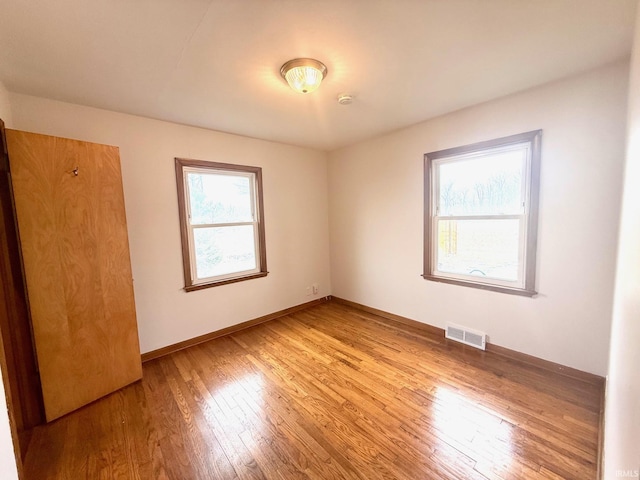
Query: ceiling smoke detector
x=345 y=98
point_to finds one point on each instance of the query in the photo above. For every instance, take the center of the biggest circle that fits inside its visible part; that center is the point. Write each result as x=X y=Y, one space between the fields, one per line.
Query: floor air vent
x=466 y=336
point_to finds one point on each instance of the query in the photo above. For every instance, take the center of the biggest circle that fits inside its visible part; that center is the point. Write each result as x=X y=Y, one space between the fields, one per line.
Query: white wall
x=7 y=457
x=622 y=414
x=376 y=220
x=296 y=216
x=8 y=469
x=5 y=106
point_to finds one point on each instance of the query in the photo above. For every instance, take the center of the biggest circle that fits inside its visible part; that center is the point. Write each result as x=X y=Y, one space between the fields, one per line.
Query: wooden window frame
x=189 y=275
x=531 y=212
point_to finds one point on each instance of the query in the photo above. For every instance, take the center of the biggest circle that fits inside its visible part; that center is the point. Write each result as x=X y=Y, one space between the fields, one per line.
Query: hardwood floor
x=329 y=393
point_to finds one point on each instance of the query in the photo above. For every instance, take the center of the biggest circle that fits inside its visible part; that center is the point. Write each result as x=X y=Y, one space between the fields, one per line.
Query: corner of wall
x=5 y=106
x=8 y=468
x=620 y=450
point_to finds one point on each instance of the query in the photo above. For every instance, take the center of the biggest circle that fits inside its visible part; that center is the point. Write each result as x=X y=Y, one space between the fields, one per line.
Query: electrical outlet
x=308 y=291
x=316 y=288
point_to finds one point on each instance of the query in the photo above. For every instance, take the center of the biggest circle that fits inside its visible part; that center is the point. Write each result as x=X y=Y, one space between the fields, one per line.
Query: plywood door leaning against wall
x=70 y=210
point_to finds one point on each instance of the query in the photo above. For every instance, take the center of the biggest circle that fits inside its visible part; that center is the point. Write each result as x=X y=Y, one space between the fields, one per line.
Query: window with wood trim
x=481 y=214
x=221 y=222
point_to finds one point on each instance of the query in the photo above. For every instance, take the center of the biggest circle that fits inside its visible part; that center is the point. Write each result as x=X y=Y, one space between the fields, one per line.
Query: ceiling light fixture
x=303 y=75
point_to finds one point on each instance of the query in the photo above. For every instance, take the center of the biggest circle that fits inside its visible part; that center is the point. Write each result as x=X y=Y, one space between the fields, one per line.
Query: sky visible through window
x=485 y=186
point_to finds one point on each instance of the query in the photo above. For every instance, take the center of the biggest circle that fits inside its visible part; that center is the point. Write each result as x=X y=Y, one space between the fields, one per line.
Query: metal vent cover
x=466 y=335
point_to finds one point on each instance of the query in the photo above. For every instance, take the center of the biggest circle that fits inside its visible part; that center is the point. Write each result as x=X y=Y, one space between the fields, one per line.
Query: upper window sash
x=250 y=176
x=469 y=163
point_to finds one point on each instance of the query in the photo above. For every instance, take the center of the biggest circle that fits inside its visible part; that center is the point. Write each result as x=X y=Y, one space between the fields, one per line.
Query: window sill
x=217 y=283
x=483 y=286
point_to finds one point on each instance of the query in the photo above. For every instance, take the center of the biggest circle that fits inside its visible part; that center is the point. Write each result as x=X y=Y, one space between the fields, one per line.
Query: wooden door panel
x=77 y=267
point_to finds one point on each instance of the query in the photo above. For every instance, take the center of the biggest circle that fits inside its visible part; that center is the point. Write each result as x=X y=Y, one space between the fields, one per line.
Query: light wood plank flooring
x=329 y=393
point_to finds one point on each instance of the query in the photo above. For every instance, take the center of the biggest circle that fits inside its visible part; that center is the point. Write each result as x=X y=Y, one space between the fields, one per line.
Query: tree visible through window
x=222 y=222
x=481 y=214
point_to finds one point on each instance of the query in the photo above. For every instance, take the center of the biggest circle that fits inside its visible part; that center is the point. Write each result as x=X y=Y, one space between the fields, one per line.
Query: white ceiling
x=215 y=63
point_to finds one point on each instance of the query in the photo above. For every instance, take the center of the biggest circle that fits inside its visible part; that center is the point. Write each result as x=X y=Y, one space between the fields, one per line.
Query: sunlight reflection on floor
x=472 y=428
x=242 y=401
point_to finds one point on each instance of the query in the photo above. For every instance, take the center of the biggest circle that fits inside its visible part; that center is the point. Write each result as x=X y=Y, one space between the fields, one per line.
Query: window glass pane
x=224 y=250
x=487 y=185
x=216 y=198
x=483 y=248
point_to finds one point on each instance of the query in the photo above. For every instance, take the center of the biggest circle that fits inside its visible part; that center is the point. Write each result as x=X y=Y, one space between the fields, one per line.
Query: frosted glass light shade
x=303 y=75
